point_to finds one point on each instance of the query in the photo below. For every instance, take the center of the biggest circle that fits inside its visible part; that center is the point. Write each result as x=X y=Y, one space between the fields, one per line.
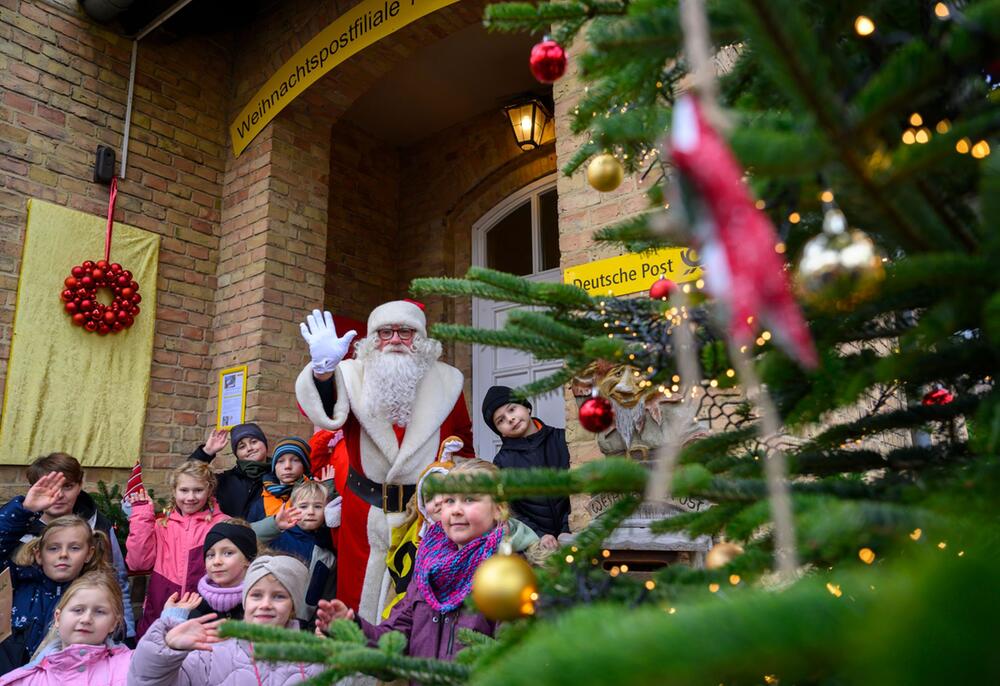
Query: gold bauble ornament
x=839 y=268
x=504 y=588
x=605 y=173
x=722 y=554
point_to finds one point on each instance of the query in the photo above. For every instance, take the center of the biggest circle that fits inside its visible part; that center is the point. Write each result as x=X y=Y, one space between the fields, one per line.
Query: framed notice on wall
x=232 y=397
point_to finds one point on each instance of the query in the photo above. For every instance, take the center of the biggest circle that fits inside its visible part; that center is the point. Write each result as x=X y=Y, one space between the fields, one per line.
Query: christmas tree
x=860 y=550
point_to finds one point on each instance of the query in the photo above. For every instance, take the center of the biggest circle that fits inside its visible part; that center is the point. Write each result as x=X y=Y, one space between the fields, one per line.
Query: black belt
x=387 y=497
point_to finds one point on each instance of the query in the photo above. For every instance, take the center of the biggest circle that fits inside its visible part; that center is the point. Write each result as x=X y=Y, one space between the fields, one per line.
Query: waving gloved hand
x=326 y=349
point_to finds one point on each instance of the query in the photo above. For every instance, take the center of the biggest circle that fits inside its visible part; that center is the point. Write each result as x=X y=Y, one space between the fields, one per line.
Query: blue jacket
x=312 y=547
x=35 y=595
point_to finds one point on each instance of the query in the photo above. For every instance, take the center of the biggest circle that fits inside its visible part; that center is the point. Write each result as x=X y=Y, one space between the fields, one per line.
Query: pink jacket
x=172 y=553
x=75 y=665
x=229 y=663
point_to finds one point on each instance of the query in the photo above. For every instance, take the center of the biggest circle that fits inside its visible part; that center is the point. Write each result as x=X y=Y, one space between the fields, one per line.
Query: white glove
x=326 y=349
x=332 y=512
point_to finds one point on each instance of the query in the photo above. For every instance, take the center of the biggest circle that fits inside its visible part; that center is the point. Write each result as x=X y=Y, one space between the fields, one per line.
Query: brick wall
x=62 y=91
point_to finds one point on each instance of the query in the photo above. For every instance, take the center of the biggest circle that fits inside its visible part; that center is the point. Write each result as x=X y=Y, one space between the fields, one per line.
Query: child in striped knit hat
x=290 y=466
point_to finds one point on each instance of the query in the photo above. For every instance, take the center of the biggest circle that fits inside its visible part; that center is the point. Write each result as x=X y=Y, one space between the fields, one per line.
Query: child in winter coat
x=192 y=653
x=44 y=567
x=469 y=532
x=527 y=443
x=239 y=488
x=171 y=545
x=73 y=500
x=290 y=466
x=79 y=649
x=307 y=538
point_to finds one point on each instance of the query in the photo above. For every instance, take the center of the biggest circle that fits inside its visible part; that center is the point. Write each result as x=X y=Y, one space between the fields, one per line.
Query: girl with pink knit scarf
x=469 y=531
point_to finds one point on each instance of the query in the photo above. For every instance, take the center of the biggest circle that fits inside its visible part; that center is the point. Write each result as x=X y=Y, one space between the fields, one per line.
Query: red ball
x=66 y=295
x=127 y=274
x=71 y=282
x=122 y=280
x=548 y=61
x=103 y=329
x=136 y=298
x=91 y=325
x=939 y=396
x=79 y=318
x=102 y=264
x=127 y=293
x=662 y=288
x=97 y=274
x=116 y=268
x=71 y=307
x=88 y=265
x=129 y=320
x=109 y=317
x=117 y=326
x=77 y=272
x=120 y=315
x=135 y=310
x=86 y=305
x=133 y=285
x=86 y=282
x=81 y=292
x=596 y=415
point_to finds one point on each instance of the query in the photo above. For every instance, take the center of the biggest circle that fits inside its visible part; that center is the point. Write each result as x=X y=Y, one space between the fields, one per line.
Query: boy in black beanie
x=528 y=442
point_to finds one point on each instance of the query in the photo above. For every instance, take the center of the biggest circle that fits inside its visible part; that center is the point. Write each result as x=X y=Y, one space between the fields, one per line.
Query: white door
x=519 y=236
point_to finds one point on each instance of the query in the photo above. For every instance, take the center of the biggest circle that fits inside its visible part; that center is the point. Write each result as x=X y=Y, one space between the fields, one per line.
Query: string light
x=963 y=146
x=941 y=11
x=980 y=150
x=624 y=569
x=826 y=196
x=650 y=585
x=760 y=204
x=923 y=135
x=714 y=588
x=569 y=559
x=943 y=126
x=780 y=248
x=672 y=611
x=916 y=119
x=909 y=137
x=605 y=554
x=730 y=373
x=794 y=217
x=867 y=555
x=834 y=589
x=734 y=579
x=916 y=534
x=864 y=26
x=942 y=545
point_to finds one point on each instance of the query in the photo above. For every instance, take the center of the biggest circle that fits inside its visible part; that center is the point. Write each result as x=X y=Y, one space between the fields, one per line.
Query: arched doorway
x=520 y=235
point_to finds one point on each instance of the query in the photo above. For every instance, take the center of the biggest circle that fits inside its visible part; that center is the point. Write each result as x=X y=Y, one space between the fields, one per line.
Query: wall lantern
x=528 y=118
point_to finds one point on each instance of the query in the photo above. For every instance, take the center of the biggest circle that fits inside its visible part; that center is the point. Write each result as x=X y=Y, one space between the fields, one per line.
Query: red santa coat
x=384 y=454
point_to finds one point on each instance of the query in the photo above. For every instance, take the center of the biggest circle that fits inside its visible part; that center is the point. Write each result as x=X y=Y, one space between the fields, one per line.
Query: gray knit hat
x=290 y=573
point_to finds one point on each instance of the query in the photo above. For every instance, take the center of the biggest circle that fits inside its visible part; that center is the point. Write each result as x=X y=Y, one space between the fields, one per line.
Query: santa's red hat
x=398 y=313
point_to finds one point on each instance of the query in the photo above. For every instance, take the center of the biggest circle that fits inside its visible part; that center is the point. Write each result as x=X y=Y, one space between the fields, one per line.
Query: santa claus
x=395 y=403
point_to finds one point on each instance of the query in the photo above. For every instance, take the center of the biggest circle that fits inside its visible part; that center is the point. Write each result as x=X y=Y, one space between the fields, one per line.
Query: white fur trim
x=400 y=313
x=309 y=400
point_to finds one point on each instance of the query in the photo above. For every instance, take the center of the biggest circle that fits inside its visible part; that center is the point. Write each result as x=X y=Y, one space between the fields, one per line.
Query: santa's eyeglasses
x=403 y=332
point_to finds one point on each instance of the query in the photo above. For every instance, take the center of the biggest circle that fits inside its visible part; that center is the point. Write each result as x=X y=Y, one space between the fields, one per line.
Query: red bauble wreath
x=81 y=303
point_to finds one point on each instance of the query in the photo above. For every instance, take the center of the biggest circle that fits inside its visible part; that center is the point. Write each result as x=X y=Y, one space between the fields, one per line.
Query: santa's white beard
x=391 y=378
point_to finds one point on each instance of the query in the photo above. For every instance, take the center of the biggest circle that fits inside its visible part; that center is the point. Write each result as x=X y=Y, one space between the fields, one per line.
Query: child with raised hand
x=171 y=545
x=469 y=532
x=44 y=567
x=79 y=649
x=238 y=489
x=74 y=500
x=192 y=653
x=290 y=466
x=229 y=548
x=307 y=537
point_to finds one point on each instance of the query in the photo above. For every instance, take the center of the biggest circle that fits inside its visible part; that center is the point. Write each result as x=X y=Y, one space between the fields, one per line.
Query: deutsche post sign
x=635 y=272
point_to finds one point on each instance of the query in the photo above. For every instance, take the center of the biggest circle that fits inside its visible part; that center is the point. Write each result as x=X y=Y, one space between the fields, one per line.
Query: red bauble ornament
x=80 y=297
x=662 y=288
x=939 y=396
x=596 y=414
x=548 y=61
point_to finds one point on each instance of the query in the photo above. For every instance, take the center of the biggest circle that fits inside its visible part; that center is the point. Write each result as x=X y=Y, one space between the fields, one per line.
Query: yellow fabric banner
x=358 y=27
x=67 y=389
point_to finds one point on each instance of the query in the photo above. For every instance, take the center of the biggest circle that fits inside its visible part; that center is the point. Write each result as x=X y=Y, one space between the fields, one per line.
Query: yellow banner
x=634 y=272
x=360 y=26
x=69 y=390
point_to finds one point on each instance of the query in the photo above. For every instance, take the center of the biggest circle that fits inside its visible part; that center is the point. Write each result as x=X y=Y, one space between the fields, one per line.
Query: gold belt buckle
x=385 y=498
